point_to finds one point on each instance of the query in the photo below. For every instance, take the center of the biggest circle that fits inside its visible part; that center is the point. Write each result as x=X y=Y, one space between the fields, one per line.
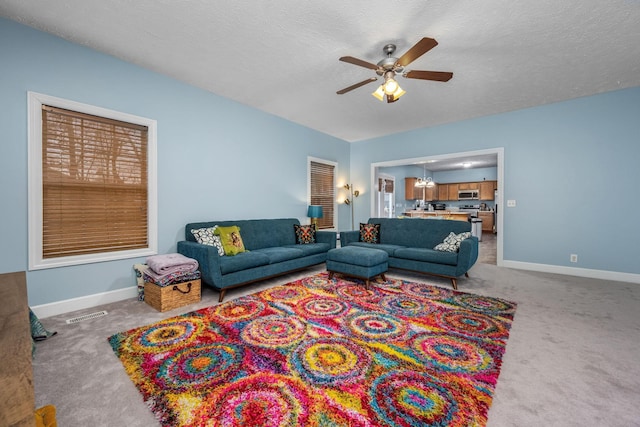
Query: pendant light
x=424 y=181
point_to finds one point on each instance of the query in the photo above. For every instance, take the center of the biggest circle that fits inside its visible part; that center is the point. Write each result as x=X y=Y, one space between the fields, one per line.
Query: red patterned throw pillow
x=370 y=233
x=305 y=234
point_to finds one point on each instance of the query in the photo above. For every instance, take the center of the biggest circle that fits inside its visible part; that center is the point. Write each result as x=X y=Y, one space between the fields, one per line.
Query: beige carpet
x=572 y=358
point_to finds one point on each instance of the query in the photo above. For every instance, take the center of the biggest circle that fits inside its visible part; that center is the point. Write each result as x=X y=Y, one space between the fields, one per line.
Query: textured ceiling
x=282 y=56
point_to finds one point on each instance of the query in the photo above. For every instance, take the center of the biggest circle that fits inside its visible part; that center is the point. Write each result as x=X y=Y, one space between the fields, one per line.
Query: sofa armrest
x=325 y=236
x=207 y=257
x=348 y=237
x=468 y=253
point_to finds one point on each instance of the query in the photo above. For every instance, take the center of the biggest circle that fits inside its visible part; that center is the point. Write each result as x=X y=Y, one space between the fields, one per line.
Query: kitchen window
x=322 y=190
x=92 y=184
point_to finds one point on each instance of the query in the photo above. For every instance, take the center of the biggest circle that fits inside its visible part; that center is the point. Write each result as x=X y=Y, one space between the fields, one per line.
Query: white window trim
x=34 y=138
x=335 y=174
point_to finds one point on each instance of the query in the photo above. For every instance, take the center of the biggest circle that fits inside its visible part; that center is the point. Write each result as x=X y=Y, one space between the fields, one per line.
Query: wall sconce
x=348 y=201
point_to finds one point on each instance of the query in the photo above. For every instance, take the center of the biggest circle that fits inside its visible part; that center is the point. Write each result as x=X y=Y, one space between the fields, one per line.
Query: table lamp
x=314 y=212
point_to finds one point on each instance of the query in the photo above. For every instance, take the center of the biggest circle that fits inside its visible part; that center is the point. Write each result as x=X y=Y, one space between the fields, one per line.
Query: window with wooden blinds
x=94 y=184
x=94 y=194
x=322 y=190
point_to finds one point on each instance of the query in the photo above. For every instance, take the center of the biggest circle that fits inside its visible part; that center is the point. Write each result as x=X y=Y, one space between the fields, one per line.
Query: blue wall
x=466 y=175
x=217 y=159
x=572 y=167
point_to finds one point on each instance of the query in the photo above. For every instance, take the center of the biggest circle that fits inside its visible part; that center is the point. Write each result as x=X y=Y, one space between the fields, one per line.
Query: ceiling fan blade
x=439 y=76
x=418 y=49
x=360 y=62
x=357 y=85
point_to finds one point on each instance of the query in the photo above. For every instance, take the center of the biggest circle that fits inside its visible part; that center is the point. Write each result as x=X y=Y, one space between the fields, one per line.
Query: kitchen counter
x=459 y=216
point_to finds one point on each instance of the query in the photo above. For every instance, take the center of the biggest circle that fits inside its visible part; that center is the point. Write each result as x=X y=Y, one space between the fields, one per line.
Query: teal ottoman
x=362 y=263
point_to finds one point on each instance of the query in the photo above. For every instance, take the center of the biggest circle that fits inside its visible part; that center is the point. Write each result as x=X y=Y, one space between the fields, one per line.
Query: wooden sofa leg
x=454 y=283
x=222 y=292
x=466 y=274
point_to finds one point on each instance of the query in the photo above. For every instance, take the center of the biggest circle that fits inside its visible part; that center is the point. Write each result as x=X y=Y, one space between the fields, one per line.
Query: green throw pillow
x=231 y=239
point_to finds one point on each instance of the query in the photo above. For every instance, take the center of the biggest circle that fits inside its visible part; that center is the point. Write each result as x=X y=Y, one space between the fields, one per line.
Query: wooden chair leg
x=466 y=274
x=222 y=292
x=366 y=284
x=454 y=283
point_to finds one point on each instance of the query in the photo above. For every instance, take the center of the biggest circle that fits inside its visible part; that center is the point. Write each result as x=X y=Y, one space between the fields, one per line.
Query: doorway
x=497 y=153
x=386 y=196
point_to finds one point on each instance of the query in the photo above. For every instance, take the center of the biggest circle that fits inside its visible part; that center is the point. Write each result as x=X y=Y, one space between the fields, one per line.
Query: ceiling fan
x=390 y=66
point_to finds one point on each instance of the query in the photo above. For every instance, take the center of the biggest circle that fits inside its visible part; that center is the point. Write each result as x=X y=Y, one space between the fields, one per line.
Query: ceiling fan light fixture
x=390 y=67
x=398 y=93
x=379 y=93
x=391 y=86
x=392 y=97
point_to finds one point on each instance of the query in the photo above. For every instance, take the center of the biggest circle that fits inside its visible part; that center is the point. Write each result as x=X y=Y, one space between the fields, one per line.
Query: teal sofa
x=409 y=242
x=271 y=251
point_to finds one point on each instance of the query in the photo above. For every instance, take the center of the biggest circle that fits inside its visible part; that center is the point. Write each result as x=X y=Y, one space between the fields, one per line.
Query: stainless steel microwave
x=468 y=195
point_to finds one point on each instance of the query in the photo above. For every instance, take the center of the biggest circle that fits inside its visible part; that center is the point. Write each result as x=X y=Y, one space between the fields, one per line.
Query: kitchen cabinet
x=487 y=190
x=448 y=192
x=431 y=193
x=443 y=192
x=453 y=192
x=411 y=192
x=487 y=220
x=467 y=186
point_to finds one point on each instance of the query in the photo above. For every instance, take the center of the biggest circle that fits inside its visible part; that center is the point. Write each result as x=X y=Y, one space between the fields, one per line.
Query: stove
x=471 y=209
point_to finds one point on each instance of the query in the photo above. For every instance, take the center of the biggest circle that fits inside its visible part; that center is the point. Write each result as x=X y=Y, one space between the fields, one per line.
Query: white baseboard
x=81 y=303
x=573 y=271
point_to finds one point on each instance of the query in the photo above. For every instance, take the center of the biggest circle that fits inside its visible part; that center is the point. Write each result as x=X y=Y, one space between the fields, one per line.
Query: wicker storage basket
x=164 y=298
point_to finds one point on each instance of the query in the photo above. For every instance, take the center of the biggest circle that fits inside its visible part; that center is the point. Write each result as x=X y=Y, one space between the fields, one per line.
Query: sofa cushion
x=370 y=233
x=305 y=234
x=452 y=242
x=280 y=254
x=311 y=248
x=389 y=249
x=242 y=261
x=427 y=255
x=231 y=239
x=207 y=236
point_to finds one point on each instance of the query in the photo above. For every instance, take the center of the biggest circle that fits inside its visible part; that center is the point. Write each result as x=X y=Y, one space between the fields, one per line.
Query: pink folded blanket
x=171 y=263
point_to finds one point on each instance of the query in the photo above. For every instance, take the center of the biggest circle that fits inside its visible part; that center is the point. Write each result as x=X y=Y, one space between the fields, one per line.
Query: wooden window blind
x=385 y=185
x=323 y=192
x=94 y=184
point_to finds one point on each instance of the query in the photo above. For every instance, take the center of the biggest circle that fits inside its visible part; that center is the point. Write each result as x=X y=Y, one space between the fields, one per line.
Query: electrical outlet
x=573 y=258
x=511 y=203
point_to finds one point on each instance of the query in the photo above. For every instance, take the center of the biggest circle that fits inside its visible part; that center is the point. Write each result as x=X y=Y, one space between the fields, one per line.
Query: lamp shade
x=314 y=211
